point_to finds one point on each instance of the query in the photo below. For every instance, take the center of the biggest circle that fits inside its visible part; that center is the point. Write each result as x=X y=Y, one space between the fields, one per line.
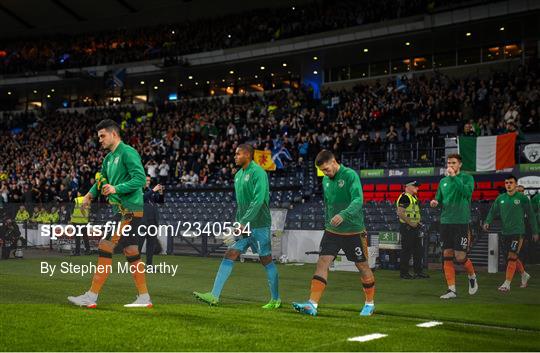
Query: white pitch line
x=430 y=324
x=463 y=323
x=365 y=338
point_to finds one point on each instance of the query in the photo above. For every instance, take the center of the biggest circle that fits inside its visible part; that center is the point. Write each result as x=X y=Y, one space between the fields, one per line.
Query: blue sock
x=273 y=281
x=223 y=274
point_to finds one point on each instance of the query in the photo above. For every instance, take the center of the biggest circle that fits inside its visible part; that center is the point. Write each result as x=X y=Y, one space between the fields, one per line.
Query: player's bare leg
x=449 y=273
x=368 y=282
x=524 y=275
x=461 y=258
x=510 y=271
x=318 y=285
x=105 y=252
x=138 y=272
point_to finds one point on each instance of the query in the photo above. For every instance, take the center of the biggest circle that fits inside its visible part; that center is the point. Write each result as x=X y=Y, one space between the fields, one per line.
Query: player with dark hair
x=122 y=180
x=455 y=194
x=344 y=229
x=512 y=207
x=253 y=214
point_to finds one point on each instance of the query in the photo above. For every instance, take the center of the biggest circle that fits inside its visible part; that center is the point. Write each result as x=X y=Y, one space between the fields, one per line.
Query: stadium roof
x=40 y=17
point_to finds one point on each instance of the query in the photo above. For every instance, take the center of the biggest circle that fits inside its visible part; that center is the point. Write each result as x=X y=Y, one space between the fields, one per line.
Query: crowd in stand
x=50 y=156
x=172 y=40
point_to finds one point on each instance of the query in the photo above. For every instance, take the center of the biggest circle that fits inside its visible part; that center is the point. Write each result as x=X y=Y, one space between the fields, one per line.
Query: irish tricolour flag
x=487 y=153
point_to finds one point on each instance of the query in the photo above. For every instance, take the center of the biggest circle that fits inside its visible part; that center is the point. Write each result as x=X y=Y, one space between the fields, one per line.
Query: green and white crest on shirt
x=341 y=182
x=246 y=178
x=517 y=202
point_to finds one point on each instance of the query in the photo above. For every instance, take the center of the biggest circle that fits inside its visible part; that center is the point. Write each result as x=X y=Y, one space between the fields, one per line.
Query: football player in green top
x=123 y=172
x=511 y=207
x=454 y=194
x=344 y=229
x=253 y=217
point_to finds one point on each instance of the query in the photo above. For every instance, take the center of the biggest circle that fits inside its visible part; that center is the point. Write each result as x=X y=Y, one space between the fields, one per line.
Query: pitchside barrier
x=493 y=253
x=302 y=246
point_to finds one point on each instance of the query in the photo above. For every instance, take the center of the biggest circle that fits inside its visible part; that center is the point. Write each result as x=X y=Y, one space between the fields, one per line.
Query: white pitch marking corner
x=429 y=324
x=365 y=338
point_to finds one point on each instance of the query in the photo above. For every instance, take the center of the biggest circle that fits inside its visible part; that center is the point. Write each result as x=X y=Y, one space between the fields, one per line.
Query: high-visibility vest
x=35 y=216
x=413 y=210
x=77 y=216
x=38 y=217
x=54 y=217
x=42 y=217
x=22 y=216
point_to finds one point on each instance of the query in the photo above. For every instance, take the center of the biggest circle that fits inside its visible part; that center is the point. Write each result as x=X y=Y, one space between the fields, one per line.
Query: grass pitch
x=36 y=315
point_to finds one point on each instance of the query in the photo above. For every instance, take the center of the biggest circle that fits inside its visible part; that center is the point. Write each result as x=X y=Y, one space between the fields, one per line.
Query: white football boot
x=473 y=285
x=450 y=294
x=142 y=301
x=87 y=299
x=525 y=277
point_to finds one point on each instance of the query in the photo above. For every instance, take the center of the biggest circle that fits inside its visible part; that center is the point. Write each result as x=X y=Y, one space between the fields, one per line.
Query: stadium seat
x=376 y=218
x=379 y=196
x=371 y=211
x=394 y=227
x=396 y=187
x=392 y=196
x=381 y=187
x=483 y=185
x=424 y=187
x=477 y=195
x=390 y=218
x=490 y=194
x=388 y=210
x=426 y=195
x=498 y=185
x=368 y=187
x=295 y=225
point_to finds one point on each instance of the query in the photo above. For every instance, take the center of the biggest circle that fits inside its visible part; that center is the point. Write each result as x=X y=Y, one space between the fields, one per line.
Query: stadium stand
x=171 y=40
x=197 y=135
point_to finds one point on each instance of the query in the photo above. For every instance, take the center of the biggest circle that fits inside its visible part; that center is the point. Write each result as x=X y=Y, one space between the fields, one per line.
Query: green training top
x=343 y=195
x=124 y=170
x=454 y=194
x=512 y=210
x=252 y=196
